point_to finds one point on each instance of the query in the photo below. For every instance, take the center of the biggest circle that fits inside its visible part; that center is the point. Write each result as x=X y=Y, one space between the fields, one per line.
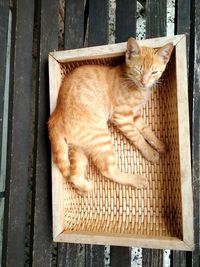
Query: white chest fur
x=145 y=97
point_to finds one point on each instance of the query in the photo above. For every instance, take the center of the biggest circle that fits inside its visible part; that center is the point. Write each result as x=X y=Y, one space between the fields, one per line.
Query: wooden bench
x=28 y=32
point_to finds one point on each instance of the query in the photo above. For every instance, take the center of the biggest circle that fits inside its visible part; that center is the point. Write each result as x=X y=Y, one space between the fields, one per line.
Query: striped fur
x=91 y=96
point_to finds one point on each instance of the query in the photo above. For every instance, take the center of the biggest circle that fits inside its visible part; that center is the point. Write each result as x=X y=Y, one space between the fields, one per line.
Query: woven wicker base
x=114 y=208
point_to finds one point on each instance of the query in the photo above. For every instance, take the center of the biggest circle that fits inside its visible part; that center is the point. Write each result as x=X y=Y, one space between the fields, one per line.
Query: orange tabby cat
x=91 y=96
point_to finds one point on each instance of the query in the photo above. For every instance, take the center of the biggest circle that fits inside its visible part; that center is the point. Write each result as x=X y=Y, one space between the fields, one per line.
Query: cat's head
x=144 y=65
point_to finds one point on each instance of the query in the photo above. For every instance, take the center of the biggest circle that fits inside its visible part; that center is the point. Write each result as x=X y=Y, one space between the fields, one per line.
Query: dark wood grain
x=125 y=27
x=152 y=257
x=156 y=23
x=97 y=35
x=193 y=258
x=94 y=256
x=120 y=256
x=45 y=252
x=19 y=133
x=182 y=16
x=42 y=234
x=4 y=20
x=98 y=22
x=188 y=22
x=71 y=255
x=125 y=19
x=156 y=18
x=182 y=25
x=178 y=259
x=74 y=24
x=183 y=21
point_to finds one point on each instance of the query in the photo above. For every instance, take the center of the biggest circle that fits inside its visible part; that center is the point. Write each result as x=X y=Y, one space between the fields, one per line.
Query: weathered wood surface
x=4 y=24
x=74 y=24
x=41 y=250
x=4 y=20
x=125 y=19
x=194 y=258
x=42 y=224
x=19 y=133
x=156 y=26
x=98 y=22
x=120 y=256
x=184 y=25
x=125 y=27
x=156 y=16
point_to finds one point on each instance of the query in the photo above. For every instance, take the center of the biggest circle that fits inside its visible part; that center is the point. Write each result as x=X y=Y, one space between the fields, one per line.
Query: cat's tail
x=59 y=146
x=69 y=158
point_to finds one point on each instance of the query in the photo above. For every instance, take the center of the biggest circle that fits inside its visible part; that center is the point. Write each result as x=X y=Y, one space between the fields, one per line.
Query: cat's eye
x=138 y=70
x=154 y=72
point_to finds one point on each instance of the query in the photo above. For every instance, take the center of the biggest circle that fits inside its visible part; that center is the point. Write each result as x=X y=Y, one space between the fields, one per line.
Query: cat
x=92 y=95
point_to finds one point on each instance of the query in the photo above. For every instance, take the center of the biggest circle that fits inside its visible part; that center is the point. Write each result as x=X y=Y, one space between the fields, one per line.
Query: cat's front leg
x=148 y=134
x=124 y=122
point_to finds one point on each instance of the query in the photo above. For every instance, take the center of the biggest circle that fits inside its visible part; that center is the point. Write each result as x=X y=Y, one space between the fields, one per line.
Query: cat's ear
x=165 y=52
x=133 y=48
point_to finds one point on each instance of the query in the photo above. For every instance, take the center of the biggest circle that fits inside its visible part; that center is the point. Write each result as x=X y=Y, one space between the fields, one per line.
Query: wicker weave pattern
x=112 y=208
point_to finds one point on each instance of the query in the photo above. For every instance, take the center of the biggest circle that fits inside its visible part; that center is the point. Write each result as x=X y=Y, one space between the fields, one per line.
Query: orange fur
x=91 y=96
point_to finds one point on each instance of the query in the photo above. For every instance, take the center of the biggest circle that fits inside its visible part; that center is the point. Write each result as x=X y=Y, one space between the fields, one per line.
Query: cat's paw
x=161 y=147
x=82 y=185
x=140 y=181
x=151 y=155
x=154 y=157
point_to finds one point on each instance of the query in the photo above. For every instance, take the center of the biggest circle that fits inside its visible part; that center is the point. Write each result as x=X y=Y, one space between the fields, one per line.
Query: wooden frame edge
x=57 y=184
x=128 y=241
x=58 y=223
x=184 y=143
x=110 y=50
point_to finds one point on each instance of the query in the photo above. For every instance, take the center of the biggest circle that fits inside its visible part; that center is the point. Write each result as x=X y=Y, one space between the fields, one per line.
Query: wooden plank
x=123 y=240
x=156 y=18
x=42 y=234
x=125 y=27
x=71 y=41
x=178 y=258
x=98 y=22
x=156 y=22
x=183 y=25
x=125 y=19
x=74 y=24
x=182 y=16
x=153 y=258
x=4 y=21
x=5 y=37
x=19 y=134
x=71 y=255
x=193 y=258
x=111 y=50
x=184 y=144
x=97 y=35
x=94 y=256
x=120 y=257
x=2 y=204
x=186 y=23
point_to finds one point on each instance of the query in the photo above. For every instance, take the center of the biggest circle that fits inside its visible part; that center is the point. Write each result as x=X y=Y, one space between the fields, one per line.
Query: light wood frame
x=187 y=242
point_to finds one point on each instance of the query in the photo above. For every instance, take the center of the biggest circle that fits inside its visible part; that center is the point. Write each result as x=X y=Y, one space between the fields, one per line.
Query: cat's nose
x=144 y=82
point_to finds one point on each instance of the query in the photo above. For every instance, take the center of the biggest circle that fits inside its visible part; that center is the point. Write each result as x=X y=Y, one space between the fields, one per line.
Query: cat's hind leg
x=78 y=164
x=103 y=156
x=59 y=148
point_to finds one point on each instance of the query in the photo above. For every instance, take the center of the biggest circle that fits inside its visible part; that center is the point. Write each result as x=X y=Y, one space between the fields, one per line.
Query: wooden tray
x=160 y=216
